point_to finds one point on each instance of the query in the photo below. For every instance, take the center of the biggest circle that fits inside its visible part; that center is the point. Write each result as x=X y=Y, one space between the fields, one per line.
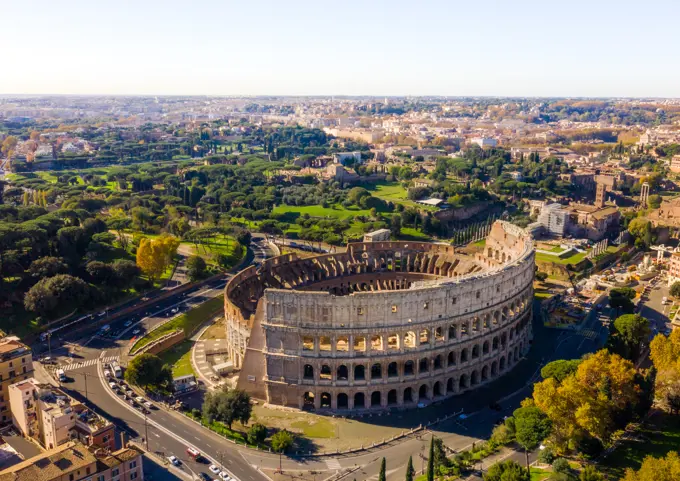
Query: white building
x=484 y=142
x=555 y=219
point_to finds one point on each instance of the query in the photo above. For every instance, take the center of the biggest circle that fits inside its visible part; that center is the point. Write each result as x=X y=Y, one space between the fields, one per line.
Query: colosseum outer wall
x=379 y=349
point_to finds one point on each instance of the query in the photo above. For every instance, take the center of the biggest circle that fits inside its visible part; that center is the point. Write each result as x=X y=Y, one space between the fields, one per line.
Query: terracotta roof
x=52 y=464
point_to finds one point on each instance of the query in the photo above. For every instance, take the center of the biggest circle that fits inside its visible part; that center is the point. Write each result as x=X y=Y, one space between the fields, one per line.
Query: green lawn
x=292 y=212
x=573 y=259
x=657 y=437
x=409 y=233
x=179 y=359
x=396 y=193
x=187 y=321
x=220 y=244
x=321 y=428
x=539 y=474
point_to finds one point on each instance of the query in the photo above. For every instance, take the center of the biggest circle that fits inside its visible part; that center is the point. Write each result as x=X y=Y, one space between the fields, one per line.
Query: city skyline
x=435 y=48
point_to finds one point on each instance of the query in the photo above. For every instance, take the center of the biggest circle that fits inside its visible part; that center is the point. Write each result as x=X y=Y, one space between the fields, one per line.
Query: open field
x=396 y=193
x=187 y=321
x=292 y=212
x=572 y=259
x=224 y=245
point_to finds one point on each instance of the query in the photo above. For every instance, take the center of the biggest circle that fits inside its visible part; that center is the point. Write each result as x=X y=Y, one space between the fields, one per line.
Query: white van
x=61 y=375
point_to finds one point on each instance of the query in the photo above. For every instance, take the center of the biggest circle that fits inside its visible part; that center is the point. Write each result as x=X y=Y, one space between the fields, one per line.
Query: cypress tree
x=430 y=461
x=410 y=472
x=383 y=465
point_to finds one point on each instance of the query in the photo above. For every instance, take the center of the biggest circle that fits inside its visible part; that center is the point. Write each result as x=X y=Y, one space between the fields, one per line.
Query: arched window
x=343 y=373
x=359 y=372
x=308 y=372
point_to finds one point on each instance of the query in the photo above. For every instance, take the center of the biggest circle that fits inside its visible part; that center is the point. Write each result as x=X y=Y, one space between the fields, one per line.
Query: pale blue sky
x=363 y=47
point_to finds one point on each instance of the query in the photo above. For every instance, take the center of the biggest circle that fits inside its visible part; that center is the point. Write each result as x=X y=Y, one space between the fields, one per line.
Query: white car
x=107 y=373
x=147 y=405
x=127 y=323
x=223 y=475
x=136 y=331
x=214 y=469
x=140 y=399
x=113 y=385
x=174 y=461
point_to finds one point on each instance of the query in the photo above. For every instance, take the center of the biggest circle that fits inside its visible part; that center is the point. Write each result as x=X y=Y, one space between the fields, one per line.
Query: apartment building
x=51 y=417
x=16 y=364
x=74 y=461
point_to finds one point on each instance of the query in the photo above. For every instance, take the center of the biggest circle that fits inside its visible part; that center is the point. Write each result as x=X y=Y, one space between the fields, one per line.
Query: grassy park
x=179 y=359
x=188 y=321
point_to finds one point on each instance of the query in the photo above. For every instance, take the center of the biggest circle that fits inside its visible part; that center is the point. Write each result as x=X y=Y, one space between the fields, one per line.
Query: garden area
x=178 y=357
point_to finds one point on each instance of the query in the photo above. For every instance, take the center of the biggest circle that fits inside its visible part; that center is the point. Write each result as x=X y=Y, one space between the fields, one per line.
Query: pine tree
x=383 y=465
x=410 y=472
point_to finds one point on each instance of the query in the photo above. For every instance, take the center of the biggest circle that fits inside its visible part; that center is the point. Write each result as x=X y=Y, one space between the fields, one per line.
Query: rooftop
x=51 y=464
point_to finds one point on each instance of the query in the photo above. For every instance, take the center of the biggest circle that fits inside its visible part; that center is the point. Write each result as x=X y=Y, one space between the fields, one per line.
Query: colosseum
x=382 y=325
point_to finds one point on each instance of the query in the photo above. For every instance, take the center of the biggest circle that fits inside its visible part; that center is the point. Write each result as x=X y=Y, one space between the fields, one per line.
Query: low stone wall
x=162 y=343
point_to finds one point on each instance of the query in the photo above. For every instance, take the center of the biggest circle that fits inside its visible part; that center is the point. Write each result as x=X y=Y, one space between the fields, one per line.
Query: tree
x=227 y=406
x=621 y=299
x=532 y=426
x=675 y=289
x=47 y=267
x=560 y=369
x=99 y=272
x=125 y=272
x=257 y=434
x=154 y=256
x=590 y=473
x=282 y=441
x=656 y=469
x=382 y=476
x=541 y=276
x=430 y=461
x=561 y=465
x=631 y=332
x=410 y=471
x=60 y=293
x=196 y=268
x=546 y=456
x=506 y=471
x=395 y=225
x=148 y=372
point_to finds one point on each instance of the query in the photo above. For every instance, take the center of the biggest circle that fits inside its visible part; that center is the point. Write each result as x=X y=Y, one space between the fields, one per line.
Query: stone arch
x=476 y=324
x=437 y=389
x=359 y=344
x=409 y=368
x=375 y=399
x=423 y=392
x=343 y=401
x=392 y=397
x=359 y=400
x=392 y=369
x=501 y=363
x=495 y=343
x=424 y=365
x=424 y=336
x=376 y=371
x=464 y=355
x=437 y=364
x=485 y=373
x=475 y=351
x=325 y=400
x=408 y=395
x=452 y=331
x=342 y=373
x=449 y=385
x=494 y=369
x=485 y=347
x=325 y=372
x=359 y=372
x=503 y=257
x=464 y=382
x=410 y=340
x=308 y=400
x=474 y=378
x=496 y=317
x=451 y=359
x=308 y=372
x=342 y=344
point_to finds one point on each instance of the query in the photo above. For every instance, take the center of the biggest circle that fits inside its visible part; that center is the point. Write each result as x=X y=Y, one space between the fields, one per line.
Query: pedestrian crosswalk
x=90 y=362
x=589 y=333
x=333 y=464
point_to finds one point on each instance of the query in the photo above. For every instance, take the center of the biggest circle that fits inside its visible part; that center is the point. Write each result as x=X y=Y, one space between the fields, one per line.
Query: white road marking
x=89 y=362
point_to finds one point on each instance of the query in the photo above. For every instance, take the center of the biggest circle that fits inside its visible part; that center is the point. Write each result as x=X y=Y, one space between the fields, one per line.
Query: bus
x=193 y=454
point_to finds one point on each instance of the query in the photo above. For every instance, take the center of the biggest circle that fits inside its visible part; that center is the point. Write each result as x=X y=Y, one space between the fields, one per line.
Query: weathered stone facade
x=386 y=324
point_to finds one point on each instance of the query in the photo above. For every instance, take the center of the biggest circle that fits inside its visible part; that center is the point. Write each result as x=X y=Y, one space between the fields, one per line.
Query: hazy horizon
x=527 y=48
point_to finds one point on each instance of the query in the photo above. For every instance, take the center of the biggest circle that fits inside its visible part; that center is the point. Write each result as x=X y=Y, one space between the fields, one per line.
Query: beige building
x=16 y=364
x=74 y=461
x=52 y=417
x=675 y=164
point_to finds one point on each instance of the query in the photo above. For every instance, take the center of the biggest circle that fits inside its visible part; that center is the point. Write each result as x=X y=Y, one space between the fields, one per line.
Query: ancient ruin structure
x=384 y=324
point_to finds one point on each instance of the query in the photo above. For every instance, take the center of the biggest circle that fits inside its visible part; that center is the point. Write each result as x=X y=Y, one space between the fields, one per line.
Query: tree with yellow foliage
x=591 y=402
x=665 y=354
x=155 y=255
x=656 y=469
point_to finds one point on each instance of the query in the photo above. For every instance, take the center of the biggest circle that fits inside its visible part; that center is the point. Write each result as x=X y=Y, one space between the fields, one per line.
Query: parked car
x=127 y=323
x=136 y=331
x=174 y=461
x=107 y=373
x=214 y=469
x=148 y=405
x=113 y=385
